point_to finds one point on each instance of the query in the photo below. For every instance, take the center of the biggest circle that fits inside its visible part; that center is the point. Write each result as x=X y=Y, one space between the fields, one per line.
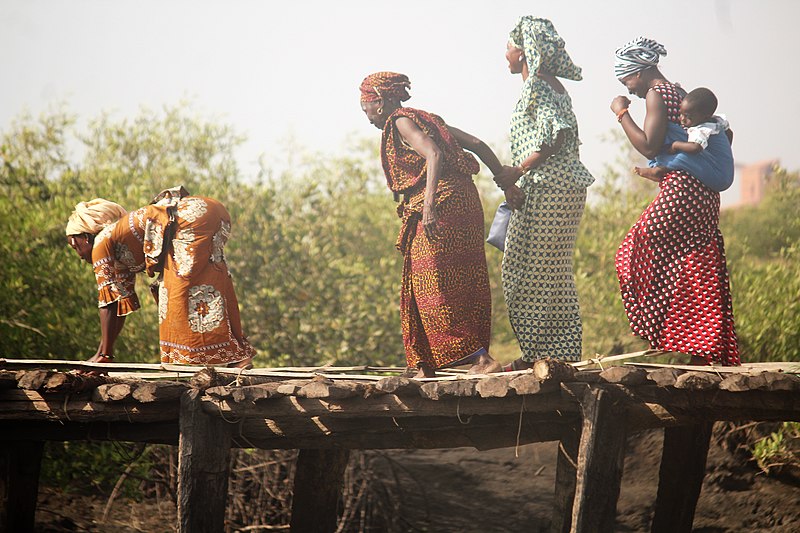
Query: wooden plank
x=59 y=364
x=203 y=467
x=624 y=375
x=599 y=360
x=553 y=369
x=112 y=392
x=566 y=477
x=317 y=490
x=698 y=381
x=8 y=379
x=787 y=367
x=158 y=391
x=20 y=463
x=600 y=462
x=389 y=405
x=17 y=404
x=480 y=432
x=680 y=478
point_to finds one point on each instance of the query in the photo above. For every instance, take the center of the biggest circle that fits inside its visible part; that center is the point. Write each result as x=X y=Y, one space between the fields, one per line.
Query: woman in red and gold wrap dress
x=198 y=312
x=445 y=301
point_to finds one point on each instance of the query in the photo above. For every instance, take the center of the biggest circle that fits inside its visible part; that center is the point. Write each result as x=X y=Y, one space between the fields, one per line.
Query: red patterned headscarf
x=385 y=85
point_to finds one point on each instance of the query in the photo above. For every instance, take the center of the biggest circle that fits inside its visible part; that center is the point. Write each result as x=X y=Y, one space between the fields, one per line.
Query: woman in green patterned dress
x=547 y=189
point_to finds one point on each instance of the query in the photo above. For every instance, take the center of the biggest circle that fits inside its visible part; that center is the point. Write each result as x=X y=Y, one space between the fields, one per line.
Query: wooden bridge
x=326 y=412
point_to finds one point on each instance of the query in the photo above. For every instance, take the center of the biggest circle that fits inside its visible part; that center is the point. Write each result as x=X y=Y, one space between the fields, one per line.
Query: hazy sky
x=274 y=69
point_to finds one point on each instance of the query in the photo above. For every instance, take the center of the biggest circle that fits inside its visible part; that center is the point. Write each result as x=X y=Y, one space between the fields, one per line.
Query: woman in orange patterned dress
x=445 y=302
x=198 y=312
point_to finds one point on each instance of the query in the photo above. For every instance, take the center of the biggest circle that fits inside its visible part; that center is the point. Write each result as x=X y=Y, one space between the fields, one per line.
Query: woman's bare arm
x=648 y=140
x=428 y=149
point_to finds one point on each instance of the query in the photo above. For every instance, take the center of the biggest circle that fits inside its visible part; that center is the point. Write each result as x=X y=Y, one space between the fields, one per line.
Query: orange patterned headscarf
x=385 y=84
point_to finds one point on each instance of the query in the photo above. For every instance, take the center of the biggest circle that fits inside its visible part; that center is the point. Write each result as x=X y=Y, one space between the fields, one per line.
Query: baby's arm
x=686 y=147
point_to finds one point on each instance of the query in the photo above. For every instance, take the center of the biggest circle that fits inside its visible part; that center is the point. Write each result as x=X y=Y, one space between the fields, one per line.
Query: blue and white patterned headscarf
x=637 y=55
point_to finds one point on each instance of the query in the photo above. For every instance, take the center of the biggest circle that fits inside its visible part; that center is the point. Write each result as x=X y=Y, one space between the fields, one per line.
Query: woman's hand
x=507 y=177
x=619 y=103
x=515 y=197
x=430 y=220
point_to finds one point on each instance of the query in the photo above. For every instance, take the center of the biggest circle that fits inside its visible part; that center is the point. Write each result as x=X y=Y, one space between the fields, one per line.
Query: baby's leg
x=651 y=173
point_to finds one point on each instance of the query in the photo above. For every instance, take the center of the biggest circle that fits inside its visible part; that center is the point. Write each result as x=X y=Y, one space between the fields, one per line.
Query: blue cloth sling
x=713 y=166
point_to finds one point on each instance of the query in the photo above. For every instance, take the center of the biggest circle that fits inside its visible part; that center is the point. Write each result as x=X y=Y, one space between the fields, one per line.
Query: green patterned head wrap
x=543 y=47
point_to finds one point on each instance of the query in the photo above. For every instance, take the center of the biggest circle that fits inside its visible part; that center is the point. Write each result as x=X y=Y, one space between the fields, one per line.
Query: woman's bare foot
x=696 y=360
x=245 y=364
x=485 y=364
x=425 y=371
x=517 y=364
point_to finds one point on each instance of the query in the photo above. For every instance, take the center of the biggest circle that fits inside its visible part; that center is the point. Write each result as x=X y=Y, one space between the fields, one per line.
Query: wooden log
x=287 y=389
x=587 y=376
x=480 y=432
x=553 y=369
x=203 y=467
x=32 y=379
x=778 y=381
x=448 y=389
x=494 y=387
x=8 y=379
x=735 y=383
x=111 y=392
x=624 y=375
x=158 y=391
x=20 y=463
x=207 y=378
x=253 y=393
x=566 y=473
x=600 y=462
x=388 y=405
x=680 y=478
x=399 y=386
x=73 y=382
x=16 y=404
x=220 y=392
x=664 y=377
x=328 y=389
x=526 y=384
x=317 y=490
x=697 y=381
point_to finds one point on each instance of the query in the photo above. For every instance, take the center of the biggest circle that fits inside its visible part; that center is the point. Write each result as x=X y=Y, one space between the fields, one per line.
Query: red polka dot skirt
x=673 y=275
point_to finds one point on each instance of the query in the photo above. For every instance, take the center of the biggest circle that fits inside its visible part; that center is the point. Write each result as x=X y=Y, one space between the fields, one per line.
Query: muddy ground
x=465 y=490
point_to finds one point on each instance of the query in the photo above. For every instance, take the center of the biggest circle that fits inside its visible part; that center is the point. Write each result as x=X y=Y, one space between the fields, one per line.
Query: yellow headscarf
x=92 y=216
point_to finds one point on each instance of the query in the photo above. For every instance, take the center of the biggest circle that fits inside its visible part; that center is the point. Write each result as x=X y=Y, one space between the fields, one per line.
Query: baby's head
x=697 y=107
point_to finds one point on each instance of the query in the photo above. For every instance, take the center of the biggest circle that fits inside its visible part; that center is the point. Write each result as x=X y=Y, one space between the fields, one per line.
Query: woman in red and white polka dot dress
x=671 y=265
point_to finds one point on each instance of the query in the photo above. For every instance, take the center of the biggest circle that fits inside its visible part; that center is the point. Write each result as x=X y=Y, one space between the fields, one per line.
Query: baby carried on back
x=699 y=150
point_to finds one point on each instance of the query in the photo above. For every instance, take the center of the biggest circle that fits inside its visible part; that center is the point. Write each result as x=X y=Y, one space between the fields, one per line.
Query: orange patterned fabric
x=385 y=85
x=198 y=312
x=445 y=301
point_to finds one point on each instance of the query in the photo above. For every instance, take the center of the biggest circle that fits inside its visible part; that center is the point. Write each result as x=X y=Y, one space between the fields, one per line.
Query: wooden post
x=565 y=479
x=20 y=462
x=203 y=466
x=601 y=456
x=680 y=478
x=317 y=490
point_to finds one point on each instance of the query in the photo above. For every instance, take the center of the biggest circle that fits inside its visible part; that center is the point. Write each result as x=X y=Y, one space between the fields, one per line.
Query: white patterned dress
x=538 y=279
